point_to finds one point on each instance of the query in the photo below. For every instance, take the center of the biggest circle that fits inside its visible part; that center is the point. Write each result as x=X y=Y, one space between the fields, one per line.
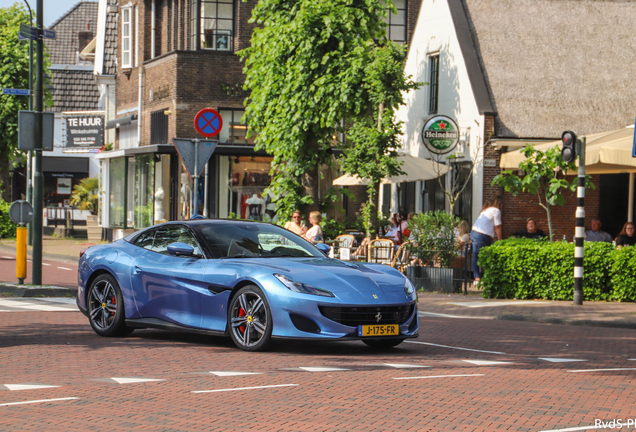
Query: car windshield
x=253 y=240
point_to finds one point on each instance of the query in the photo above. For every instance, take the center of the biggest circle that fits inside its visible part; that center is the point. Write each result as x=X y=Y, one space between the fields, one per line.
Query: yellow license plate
x=379 y=330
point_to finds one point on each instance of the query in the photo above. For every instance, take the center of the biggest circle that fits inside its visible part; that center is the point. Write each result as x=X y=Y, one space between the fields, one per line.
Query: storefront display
x=247 y=177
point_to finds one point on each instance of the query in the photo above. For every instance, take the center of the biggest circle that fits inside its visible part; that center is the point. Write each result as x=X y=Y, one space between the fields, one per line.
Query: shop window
x=234 y=131
x=212 y=24
x=127 y=43
x=158 y=127
x=433 y=65
x=247 y=178
x=162 y=188
x=144 y=191
x=396 y=23
x=117 y=187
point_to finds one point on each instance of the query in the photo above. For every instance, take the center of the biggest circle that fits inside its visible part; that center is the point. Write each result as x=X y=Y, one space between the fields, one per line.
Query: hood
x=341 y=278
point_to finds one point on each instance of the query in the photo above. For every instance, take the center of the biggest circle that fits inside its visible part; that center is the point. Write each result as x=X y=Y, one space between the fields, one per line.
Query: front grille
x=367 y=315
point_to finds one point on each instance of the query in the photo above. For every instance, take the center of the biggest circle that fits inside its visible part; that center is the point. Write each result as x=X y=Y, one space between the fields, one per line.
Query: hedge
x=535 y=269
x=7 y=228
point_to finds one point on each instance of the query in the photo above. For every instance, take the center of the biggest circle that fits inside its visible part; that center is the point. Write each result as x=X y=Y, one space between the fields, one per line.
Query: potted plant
x=85 y=197
x=433 y=244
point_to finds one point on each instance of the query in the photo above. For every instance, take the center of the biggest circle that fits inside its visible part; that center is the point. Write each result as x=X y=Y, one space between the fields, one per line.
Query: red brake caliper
x=113 y=301
x=241 y=314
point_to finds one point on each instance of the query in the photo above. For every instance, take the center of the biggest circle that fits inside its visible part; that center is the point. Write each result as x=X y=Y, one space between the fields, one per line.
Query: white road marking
x=244 y=388
x=13 y=387
x=601 y=370
x=452 y=347
x=135 y=380
x=231 y=373
x=433 y=314
x=322 y=369
x=559 y=360
x=8 y=257
x=405 y=366
x=64 y=268
x=438 y=376
x=580 y=428
x=45 y=264
x=34 y=306
x=486 y=362
x=492 y=304
x=39 y=401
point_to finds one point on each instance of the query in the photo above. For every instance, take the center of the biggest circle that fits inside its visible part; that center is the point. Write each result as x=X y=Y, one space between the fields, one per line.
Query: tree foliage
x=544 y=176
x=373 y=139
x=14 y=73
x=304 y=70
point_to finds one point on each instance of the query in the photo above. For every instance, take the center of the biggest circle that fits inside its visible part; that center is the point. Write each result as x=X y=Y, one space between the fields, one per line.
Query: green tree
x=85 y=194
x=304 y=71
x=373 y=139
x=14 y=73
x=544 y=176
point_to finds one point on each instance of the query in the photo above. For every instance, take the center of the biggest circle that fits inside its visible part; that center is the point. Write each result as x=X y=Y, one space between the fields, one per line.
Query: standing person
x=295 y=225
x=627 y=236
x=486 y=226
x=314 y=234
x=596 y=234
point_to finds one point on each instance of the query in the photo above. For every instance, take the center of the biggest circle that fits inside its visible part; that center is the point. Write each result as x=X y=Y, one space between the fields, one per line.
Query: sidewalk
x=596 y=314
x=53 y=248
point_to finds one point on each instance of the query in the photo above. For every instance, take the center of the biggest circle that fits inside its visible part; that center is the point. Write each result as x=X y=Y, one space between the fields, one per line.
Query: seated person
x=314 y=234
x=627 y=236
x=396 y=232
x=596 y=234
x=531 y=231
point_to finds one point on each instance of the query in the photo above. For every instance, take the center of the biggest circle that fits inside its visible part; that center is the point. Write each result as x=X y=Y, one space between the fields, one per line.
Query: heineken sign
x=440 y=134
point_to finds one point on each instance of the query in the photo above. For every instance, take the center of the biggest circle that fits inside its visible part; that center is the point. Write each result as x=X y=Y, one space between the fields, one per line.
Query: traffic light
x=568 y=152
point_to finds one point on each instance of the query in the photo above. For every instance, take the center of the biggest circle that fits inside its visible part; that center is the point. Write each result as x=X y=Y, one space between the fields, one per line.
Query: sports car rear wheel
x=250 y=319
x=106 y=307
x=383 y=343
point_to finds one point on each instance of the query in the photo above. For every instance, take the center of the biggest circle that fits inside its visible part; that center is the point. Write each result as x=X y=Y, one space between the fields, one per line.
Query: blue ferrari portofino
x=252 y=281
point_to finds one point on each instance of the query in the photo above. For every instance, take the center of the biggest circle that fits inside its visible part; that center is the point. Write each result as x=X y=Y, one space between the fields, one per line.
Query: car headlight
x=304 y=288
x=409 y=289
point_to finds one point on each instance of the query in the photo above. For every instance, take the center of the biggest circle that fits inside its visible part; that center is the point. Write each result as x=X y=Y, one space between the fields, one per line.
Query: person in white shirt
x=487 y=225
x=314 y=234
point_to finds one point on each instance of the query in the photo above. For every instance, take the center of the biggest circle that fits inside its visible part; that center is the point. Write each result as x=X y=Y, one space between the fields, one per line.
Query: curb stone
x=585 y=323
x=15 y=290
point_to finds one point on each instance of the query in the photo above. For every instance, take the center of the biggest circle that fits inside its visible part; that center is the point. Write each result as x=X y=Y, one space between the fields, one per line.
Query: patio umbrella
x=605 y=153
x=415 y=169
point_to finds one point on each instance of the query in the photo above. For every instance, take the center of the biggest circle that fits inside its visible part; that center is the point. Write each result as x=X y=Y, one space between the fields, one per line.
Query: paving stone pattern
x=529 y=395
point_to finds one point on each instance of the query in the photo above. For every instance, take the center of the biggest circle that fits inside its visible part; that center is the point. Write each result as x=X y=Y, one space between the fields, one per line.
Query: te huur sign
x=84 y=130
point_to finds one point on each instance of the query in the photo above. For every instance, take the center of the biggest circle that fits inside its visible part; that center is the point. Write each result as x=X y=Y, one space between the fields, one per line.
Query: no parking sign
x=208 y=122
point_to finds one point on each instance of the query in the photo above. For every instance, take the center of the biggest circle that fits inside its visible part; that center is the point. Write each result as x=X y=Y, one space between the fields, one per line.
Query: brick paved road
x=56 y=273
x=522 y=394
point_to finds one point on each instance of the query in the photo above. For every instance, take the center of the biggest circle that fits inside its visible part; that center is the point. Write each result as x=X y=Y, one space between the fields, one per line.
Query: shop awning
x=117 y=123
x=605 y=153
x=416 y=169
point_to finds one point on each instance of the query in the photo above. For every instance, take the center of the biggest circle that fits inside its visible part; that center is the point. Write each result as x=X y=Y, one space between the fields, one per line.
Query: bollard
x=21 y=251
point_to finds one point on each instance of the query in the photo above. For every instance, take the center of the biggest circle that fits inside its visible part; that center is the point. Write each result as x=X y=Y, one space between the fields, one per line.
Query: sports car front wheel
x=106 y=307
x=250 y=319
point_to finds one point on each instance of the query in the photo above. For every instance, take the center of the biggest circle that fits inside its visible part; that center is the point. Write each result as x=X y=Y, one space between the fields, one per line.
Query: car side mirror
x=180 y=249
x=324 y=248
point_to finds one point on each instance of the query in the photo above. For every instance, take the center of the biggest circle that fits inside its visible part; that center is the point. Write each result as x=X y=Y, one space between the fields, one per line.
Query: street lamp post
x=29 y=191
x=37 y=164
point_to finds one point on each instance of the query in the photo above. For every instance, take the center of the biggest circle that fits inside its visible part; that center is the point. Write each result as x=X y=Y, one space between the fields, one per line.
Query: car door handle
x=137 y=269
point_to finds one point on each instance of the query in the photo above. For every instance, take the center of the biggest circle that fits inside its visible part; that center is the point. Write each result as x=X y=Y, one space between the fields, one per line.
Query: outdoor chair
x=402 y=256
x=381 y=251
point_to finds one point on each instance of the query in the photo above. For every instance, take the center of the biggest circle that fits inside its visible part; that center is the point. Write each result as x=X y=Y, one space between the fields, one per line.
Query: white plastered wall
x=435 y=34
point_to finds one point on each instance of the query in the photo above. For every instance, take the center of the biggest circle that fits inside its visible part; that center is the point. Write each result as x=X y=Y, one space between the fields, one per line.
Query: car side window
x=146 y=239
x=171 y=234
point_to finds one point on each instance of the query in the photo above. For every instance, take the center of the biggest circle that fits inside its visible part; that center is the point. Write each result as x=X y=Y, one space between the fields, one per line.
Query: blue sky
x=53 y=9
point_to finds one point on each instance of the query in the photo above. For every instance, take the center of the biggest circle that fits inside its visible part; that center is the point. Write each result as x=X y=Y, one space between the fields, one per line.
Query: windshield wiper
x=242 y=255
